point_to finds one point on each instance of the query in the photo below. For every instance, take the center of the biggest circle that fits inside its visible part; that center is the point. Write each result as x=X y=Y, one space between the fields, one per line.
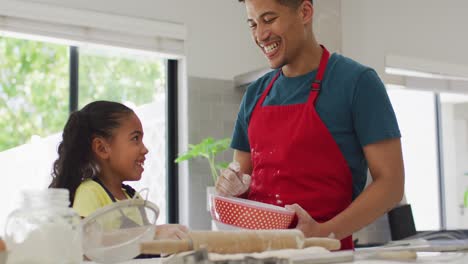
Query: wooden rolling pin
x=232 y=242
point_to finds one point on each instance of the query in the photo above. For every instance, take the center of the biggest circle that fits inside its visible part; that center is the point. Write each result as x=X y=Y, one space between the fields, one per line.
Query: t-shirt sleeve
x=373 y=115
x=87 y=200
x=240 y=139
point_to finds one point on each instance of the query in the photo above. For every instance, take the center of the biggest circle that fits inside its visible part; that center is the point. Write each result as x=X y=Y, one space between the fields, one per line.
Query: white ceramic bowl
x=249 y=214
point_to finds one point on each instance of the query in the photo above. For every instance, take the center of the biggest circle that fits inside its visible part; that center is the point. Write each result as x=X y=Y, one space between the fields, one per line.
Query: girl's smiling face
x=126 y=150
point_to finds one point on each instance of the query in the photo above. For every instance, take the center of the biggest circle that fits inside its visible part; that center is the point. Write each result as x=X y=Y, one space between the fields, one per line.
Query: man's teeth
x=270 y=48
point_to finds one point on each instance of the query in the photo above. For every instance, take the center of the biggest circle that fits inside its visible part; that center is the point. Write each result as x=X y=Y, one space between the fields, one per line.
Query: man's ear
x=100 y=148
x=307 y=11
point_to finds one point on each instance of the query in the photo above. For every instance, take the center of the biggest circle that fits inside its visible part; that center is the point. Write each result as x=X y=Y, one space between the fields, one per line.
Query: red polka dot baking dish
x=249 y=214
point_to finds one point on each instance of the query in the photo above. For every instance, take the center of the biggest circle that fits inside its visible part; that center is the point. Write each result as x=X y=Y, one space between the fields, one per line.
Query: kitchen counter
x=429 y=257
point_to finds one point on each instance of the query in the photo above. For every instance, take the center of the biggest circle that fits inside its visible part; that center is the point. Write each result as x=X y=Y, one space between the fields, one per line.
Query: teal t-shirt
x=353 y=104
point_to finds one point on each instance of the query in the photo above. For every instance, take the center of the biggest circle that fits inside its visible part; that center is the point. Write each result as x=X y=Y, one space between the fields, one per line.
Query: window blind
x=84 y=26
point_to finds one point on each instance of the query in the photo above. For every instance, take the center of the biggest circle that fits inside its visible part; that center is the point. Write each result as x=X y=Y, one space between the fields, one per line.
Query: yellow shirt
x=91 y=196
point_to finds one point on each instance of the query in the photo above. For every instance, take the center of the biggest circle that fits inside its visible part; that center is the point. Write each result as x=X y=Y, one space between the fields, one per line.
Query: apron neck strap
x=316 y=85
x=128 y=189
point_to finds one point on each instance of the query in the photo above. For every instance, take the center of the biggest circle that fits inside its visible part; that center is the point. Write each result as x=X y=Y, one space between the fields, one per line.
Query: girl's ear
x=100 y=148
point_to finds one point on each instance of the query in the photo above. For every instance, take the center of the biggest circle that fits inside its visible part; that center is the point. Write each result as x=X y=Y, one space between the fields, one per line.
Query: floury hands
x=232 y=182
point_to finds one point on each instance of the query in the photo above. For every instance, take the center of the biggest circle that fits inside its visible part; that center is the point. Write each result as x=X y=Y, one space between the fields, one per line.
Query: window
x=419 y=143
x=34 y=108
x=117 y=76
x=139 y=80
x=433 y=115
x=435 y=152
x=33 y=90
x=454 y=139
x=35 y=102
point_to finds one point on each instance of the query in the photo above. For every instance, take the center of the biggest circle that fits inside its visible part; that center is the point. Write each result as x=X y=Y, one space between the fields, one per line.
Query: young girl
x=101 y=148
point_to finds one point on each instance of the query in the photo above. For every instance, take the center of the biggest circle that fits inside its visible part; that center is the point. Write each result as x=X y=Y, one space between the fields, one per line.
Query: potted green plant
x=208 y=148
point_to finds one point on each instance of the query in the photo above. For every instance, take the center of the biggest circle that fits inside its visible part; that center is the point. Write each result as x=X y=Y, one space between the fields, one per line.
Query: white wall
x=327 y=23
x=218 y=39
x=218 y=42
x=426 y=29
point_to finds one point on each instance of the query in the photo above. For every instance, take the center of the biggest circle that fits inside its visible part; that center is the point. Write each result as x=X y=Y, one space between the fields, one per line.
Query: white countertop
x=425 y=257
x=433 y=258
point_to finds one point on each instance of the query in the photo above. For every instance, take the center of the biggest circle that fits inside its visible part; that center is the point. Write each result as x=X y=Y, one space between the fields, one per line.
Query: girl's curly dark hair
x=75 y=162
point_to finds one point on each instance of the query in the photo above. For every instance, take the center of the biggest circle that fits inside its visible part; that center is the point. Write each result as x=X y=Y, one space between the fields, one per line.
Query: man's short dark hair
x=290 y=3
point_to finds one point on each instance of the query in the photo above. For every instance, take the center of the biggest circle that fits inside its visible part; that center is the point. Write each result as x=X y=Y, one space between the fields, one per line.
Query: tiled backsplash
x=213 y=107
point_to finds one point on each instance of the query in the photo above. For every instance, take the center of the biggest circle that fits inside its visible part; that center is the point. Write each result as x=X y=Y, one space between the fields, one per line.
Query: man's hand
x=306 y=223
x=171 y=231
x=232 y=182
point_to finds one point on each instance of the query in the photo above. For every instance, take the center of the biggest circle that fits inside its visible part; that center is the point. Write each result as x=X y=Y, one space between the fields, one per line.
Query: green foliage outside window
x=33 y=90
x=118 y=78
x=34 y=85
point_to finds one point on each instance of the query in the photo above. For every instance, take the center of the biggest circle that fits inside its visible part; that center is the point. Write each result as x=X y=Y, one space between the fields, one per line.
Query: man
x=307 y=132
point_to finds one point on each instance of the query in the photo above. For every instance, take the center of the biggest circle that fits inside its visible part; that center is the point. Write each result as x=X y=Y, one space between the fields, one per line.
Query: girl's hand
x=171 y=231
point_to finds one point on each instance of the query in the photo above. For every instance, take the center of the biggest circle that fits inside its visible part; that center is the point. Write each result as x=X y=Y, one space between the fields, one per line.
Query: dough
x=283 y=253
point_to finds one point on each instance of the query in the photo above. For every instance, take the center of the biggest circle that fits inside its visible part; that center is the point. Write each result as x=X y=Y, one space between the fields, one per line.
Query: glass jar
x=44 y=230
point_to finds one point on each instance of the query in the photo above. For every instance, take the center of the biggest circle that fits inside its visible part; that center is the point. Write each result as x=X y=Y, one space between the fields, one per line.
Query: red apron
x=295 y=158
